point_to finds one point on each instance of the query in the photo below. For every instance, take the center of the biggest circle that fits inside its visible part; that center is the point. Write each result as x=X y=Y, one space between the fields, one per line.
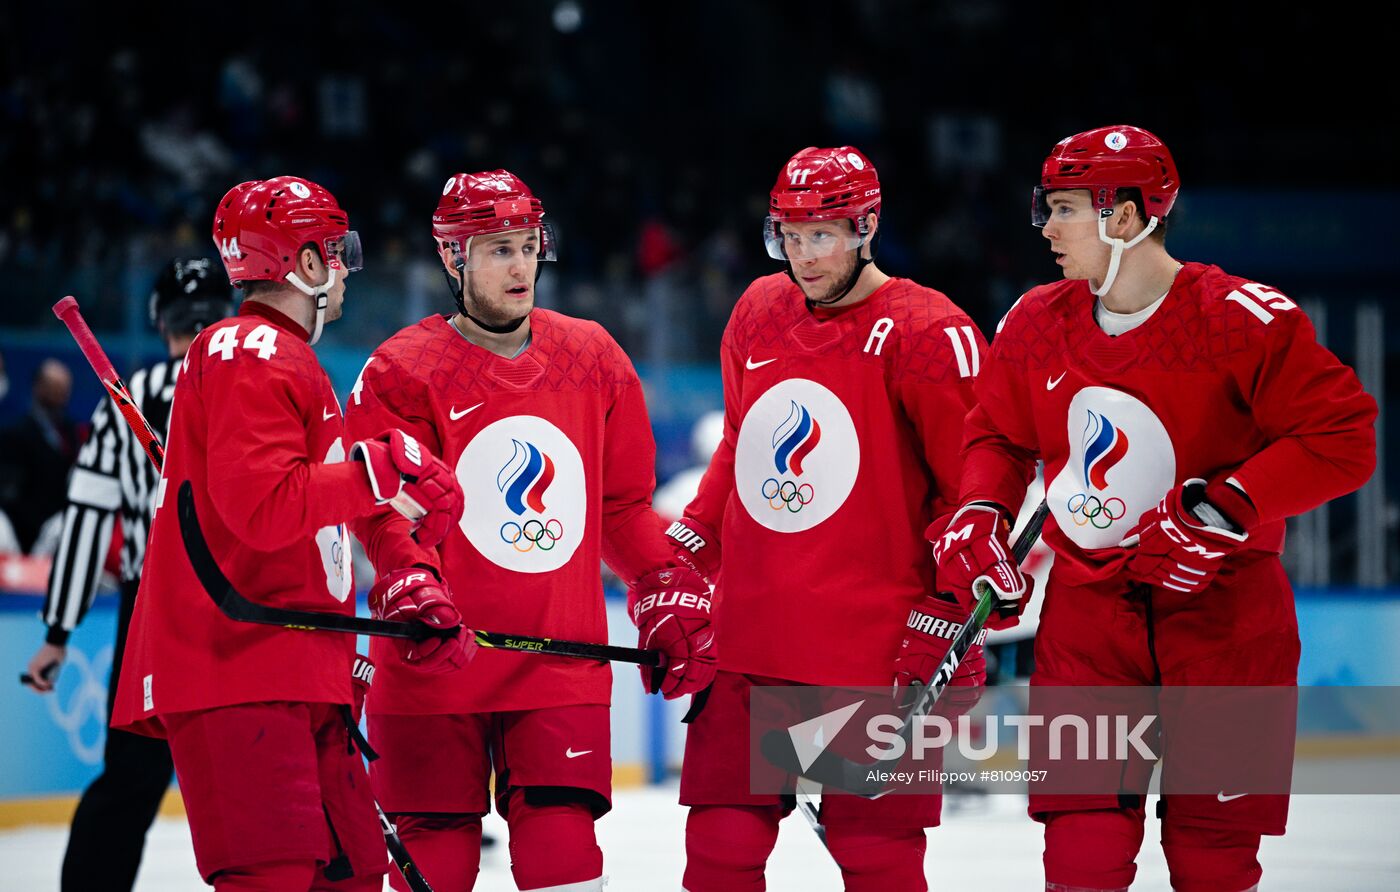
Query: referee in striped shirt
x=113 y=475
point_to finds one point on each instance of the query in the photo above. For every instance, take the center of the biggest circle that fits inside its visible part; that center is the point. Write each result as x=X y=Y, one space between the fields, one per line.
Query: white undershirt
x=1115 y=324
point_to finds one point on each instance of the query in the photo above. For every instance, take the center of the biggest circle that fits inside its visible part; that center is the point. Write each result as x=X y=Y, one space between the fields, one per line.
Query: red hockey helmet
x=475 y=204
x=1105 y=160
x=260 y=226
x=822 y=184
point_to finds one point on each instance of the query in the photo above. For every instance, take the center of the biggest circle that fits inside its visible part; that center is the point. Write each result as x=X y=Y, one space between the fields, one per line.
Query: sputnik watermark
x=1068 y=736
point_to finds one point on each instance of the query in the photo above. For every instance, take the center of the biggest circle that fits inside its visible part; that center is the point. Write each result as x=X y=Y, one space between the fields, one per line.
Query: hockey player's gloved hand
x=1182 y=542
x=973 y=549
x=416 y=594
x=933 y=624
x=416 y=483
x=361 y=677
x=671 y=610
x=696 y=545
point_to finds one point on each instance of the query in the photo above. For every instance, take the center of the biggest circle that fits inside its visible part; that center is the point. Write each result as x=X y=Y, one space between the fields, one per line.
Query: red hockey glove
x=697 y=546
x=974 y=549
x=671 y=610
x=361 y=677
x=417 y=484
x=1182 y=542
x=933 y=624
x=415 y=593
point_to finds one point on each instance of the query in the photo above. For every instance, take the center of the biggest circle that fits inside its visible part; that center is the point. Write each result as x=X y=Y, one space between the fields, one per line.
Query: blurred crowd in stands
x=651 y=131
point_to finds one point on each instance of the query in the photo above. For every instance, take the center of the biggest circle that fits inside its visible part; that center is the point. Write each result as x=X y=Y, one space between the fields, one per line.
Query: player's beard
x=835 y=283
x=479 y=306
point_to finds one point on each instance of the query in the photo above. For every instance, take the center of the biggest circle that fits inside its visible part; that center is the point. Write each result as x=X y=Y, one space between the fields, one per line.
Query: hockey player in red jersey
x=845 y=392
x=1182 y=414
x=543 y=419
x=257 y=716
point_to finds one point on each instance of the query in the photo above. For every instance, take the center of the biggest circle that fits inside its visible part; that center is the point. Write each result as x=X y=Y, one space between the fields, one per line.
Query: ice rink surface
x=1343 y=843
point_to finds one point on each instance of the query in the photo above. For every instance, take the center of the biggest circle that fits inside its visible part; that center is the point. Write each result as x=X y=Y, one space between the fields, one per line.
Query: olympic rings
x=787 y=494
x=82 y=714
x=544 y=534
x=1093 y=511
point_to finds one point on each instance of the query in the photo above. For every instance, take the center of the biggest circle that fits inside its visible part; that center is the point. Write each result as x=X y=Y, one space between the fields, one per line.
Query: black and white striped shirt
x=112 y=474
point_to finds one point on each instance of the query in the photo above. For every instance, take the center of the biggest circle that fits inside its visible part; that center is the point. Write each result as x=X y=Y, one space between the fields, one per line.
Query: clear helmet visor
x=1062 y=206
x=810 y=240
x=495 y=250
x=347 y=250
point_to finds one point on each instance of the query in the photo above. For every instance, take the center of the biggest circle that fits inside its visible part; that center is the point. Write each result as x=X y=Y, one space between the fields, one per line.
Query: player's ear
x=872 y=224
x=1127 y=219
x=449 y=254
x=310 y=268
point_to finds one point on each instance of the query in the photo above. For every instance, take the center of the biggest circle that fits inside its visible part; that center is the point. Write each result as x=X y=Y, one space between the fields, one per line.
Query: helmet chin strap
x=320 y=294
x=459 y=288
x=1116 y=248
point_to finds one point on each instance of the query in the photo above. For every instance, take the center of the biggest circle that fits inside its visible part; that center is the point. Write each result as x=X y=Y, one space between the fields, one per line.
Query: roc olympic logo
x=523 y=481
x=793 y=441
x=1104 y=447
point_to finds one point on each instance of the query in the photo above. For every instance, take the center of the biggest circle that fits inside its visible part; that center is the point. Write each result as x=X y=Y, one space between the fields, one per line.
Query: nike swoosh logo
x=751 y=365
x=1223 y=798
x=455 y=415
x=1051 y=382
x=570 y=754
x=327 y=414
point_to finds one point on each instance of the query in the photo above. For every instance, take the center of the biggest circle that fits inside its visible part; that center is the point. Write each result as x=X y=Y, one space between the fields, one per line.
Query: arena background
x=652 y=133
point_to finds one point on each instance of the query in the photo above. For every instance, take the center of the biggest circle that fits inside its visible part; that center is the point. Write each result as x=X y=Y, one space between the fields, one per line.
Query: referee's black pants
x=109 y=827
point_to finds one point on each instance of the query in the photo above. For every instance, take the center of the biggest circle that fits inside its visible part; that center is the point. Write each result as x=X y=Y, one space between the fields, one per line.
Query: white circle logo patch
x=855 y=161
x=300 y=190
x=1115 y=141
x=451 y=181
x=525 y=494
x=797 y=456
x=1121 y=462
x=334 y=543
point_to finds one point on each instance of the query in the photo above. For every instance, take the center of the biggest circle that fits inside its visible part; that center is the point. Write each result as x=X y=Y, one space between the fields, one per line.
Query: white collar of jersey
x=1114 y=324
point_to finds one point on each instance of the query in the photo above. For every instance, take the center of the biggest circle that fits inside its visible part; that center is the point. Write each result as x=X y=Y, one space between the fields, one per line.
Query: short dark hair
x=1134 y=194
x=253 y=287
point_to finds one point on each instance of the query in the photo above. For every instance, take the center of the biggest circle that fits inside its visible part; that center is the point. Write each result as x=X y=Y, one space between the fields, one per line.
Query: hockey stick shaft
x=236 y=606
x=399 y=852
x=68 y=313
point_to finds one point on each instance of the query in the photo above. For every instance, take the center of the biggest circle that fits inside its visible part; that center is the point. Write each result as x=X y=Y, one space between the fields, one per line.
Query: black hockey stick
x=235 y=606
x=831 y=769
x=399 y=852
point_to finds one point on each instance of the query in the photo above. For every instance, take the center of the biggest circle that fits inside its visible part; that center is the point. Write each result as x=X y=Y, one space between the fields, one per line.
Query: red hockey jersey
x=842 y=431
x=257 y=430
x=1225 y=378
x=556 y=459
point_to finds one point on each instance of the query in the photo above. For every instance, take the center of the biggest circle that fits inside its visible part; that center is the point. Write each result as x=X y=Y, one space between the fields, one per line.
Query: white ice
x=1333 y=842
